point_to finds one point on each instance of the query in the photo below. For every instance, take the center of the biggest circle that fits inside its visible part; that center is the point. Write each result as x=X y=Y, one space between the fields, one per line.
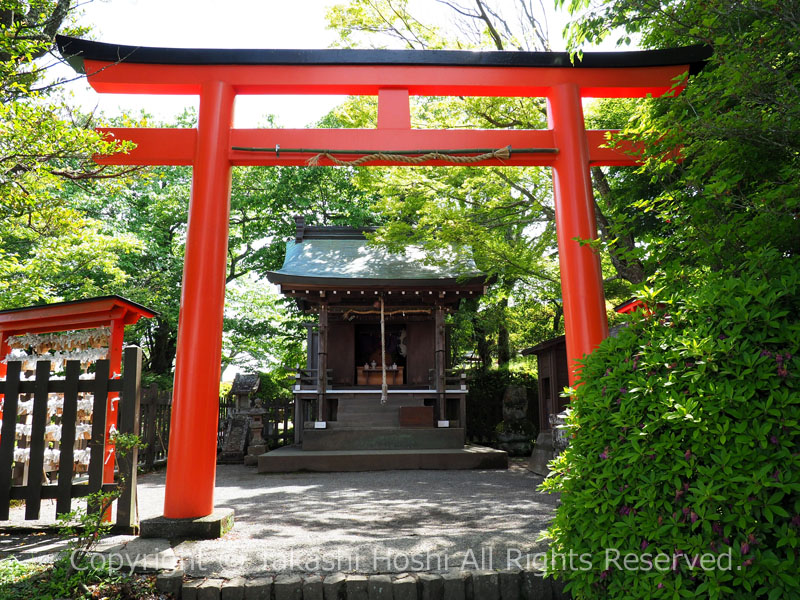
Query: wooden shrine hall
x=376 y=391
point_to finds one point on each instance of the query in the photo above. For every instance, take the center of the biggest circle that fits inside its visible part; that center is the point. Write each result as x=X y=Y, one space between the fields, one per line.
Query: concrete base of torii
x=215 y=525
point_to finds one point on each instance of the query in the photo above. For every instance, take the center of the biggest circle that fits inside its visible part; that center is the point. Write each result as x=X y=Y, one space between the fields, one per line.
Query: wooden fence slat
x=69 y=416
x=65 y=489
x=97 y=454
x=129 y=423
x=8 y=434
x=33 y=499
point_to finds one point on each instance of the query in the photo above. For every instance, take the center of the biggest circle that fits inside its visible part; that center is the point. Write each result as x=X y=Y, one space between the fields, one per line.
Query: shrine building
x=378 y=376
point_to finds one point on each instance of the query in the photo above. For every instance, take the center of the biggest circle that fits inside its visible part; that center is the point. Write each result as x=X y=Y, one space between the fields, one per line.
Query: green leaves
x=701 y=459
x=50 y=249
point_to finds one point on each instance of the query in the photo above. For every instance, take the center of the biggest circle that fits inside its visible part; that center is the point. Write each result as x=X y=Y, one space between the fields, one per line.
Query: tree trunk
x=162 y=352
x=630 y=270
x=557 y=314
x=483 y=343
x=503 y=342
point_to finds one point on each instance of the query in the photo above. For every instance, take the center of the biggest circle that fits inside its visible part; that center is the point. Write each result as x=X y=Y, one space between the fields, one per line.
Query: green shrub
x=685 y=442
x=43 y=581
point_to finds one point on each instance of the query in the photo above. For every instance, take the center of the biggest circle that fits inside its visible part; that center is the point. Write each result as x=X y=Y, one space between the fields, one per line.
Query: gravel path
x=385 y=521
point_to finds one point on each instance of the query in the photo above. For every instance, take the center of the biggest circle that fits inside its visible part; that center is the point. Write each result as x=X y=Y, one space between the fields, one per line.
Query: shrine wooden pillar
x=191 y=469
x=440 y=362
x=322 y=362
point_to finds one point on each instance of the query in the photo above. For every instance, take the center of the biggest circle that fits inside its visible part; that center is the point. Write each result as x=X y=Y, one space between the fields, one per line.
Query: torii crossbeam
x=212 y=148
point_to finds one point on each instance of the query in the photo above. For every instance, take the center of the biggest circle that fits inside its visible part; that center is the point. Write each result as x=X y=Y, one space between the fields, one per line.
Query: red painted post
x=191 y=469
x=394 y=111
x=581 y=277
x=112 y=406
x=4 y=351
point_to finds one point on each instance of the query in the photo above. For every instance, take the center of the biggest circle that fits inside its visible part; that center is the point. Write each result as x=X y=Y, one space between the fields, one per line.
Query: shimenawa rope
x=501 y=153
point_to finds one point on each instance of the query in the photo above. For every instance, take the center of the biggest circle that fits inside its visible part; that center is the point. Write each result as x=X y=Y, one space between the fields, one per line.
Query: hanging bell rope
x=411 y=157
x=384 y=387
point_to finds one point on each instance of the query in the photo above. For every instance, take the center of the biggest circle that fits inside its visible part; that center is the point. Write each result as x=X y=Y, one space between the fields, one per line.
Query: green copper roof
x=334 y=260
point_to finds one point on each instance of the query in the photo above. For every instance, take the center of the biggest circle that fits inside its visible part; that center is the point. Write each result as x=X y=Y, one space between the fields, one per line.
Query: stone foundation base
x=215 y=525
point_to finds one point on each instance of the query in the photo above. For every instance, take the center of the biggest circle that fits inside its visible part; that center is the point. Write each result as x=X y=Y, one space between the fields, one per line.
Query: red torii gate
x=212 y=148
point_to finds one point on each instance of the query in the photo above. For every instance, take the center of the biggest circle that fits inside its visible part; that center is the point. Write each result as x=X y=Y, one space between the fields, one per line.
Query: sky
x=229 y=24
x=211 y=24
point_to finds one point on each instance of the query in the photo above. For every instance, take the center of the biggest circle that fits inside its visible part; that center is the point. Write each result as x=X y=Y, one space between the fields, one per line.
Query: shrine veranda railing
x=70 y=482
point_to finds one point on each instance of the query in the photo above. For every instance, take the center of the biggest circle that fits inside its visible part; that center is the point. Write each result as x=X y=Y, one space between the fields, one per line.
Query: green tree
x=263 y=331
x=28 y=29
x=505 y=215
x=153 y=208
x=490 y=25
x=736 y=187
x=49 y=250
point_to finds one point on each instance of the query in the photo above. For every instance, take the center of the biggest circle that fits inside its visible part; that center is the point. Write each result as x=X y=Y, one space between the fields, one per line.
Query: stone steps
x=369 y=412
x=290 y=459
x=370 y=437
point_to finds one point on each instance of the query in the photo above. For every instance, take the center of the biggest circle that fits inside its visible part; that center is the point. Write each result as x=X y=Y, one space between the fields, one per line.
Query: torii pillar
x=217 y=76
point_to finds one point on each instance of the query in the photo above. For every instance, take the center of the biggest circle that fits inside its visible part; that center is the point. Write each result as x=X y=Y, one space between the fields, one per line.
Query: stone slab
x=404 y=587
x=288 y=587
x=356 y=587
x=558 y=590
x=258 y=589
x=312 y=588
x=379 y=587
x=210 y=589
x=233 y=589
x=431 y=586
x=142 y=555
x=333 y=586
x=535 y=586
x=209 y=527
x=190 y=588
x=510 y=585
x=290 y=459
x=542 y=454
x=170 y=582
x=485 y=585
x=454 y=585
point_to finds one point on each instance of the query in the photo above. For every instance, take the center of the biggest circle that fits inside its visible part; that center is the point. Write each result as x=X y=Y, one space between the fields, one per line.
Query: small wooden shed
x=553 y=377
